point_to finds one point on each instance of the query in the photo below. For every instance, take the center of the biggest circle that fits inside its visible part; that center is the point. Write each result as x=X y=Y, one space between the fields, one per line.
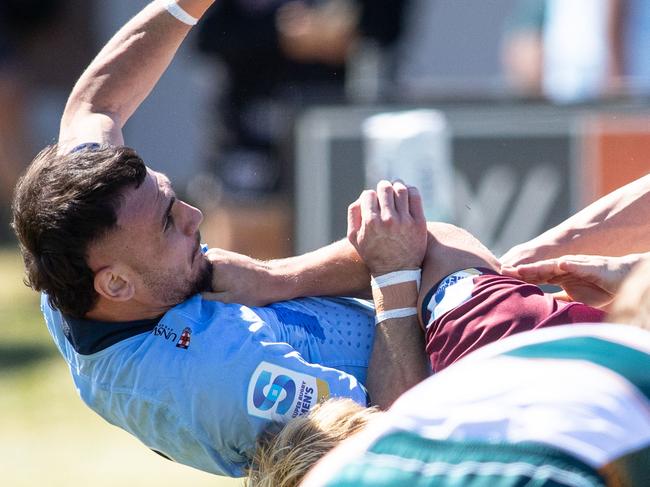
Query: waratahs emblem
x=184 y=340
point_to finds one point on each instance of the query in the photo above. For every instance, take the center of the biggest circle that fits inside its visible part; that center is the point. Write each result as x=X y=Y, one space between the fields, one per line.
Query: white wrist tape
x=395 y=313
x=177 y=11
x=396 y=277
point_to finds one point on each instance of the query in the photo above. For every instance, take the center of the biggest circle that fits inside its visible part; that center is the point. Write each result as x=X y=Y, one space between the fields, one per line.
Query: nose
x=192 y=218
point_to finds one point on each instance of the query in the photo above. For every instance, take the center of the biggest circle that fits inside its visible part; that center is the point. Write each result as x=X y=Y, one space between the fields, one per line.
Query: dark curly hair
x=61 y=205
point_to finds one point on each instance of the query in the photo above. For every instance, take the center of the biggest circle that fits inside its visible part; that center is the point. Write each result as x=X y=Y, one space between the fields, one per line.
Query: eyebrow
x=168 y=208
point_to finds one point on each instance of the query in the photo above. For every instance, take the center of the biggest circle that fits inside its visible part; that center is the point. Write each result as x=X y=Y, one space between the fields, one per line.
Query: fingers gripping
x=386 y=199
x=538 y=272
x=401 y=195
x=369 y=206
x=388 y=228
x=415 y=206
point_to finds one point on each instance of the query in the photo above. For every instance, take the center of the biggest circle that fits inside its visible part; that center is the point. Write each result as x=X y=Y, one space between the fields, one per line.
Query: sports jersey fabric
x=475 y=307
x=202 y=382
x=568 y=405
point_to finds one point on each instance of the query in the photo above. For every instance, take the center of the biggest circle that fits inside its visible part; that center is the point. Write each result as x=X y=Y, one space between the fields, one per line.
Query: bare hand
x=239 y=279
x=590 y=279
x=388 y=229
x=322 y=33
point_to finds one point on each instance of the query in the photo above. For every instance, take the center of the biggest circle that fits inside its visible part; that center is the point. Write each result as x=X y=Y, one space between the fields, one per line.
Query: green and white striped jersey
x=561 y=406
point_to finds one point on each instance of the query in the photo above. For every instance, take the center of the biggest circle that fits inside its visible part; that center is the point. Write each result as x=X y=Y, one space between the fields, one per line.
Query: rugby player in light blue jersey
x=117 y=257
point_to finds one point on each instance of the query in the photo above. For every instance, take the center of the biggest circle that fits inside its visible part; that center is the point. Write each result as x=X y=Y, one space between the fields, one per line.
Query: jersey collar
x=92 y=336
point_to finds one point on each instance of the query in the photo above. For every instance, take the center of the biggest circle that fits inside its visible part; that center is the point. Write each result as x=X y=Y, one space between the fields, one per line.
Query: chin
x=203 y=280
x=171 y=287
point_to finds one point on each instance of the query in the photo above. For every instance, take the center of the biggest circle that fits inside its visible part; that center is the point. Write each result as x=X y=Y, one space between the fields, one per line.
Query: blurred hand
x=317 y=34
x=590 y=279
x=239 y=279
x=388 y=228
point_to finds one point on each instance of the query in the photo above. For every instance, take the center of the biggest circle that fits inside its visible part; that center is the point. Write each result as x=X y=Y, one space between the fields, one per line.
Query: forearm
x=398 y=360
x=128 y=67
x=334 y=270
x=615 y=225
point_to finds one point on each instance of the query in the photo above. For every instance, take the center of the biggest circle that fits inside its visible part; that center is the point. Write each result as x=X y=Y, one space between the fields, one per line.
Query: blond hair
x=283 y=459
x=632 y=303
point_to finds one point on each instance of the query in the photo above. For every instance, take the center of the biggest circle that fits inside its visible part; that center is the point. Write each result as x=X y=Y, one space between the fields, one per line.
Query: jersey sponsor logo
x=278 y=393
x=265 y=401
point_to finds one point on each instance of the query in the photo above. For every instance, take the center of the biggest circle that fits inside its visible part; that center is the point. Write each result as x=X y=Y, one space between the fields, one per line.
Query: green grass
x=48 y=437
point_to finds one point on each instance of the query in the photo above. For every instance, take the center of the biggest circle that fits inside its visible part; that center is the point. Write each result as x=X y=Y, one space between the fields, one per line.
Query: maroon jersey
x=475 y=307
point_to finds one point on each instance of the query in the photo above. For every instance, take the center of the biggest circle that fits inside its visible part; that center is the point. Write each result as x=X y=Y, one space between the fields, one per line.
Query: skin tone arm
x=389 y=231
x=123 y=74
x=334 y=270
x=615 y=225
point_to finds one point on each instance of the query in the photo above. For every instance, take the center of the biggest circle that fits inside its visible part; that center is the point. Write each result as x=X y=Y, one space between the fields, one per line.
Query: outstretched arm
x=617 y=224
x=123 y=74
x=333 y=270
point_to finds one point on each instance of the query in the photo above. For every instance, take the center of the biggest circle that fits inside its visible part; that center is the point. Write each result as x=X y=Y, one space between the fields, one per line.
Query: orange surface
x=617 y=151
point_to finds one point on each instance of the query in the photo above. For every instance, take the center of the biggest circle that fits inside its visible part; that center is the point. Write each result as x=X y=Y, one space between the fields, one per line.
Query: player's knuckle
x=384 y=185
x=407 y=220
x=374 y=222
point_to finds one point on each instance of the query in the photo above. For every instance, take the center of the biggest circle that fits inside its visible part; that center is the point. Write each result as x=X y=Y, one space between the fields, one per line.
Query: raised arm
x=617 y=224
x=124 y=73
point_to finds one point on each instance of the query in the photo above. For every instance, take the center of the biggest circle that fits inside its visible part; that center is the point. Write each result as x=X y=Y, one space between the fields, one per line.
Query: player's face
x=158 y=238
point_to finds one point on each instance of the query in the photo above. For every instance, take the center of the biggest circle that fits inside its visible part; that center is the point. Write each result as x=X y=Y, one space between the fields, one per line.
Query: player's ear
x=114 y=284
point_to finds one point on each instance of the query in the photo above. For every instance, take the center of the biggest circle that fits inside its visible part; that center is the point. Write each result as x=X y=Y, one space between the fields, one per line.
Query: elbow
x=78 y=105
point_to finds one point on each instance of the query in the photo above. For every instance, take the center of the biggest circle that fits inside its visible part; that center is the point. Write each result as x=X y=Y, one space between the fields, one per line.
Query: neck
x=106 y=310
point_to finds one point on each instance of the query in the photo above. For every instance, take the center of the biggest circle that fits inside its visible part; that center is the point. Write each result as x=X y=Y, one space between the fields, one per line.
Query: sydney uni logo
x=165 y=331
x=264 y=402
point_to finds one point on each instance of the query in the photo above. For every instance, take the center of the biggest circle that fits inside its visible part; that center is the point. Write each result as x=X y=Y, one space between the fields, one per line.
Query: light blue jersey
x=200 y=384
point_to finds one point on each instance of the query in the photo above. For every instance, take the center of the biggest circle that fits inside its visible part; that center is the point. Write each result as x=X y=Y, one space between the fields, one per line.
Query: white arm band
x=395 y=313
x=396 y=277
x=177 y=11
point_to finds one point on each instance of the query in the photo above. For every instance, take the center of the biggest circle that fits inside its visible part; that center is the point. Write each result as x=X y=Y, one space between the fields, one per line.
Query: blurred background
x=508 y=114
